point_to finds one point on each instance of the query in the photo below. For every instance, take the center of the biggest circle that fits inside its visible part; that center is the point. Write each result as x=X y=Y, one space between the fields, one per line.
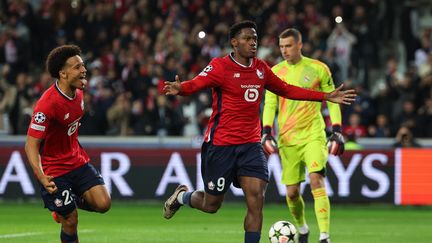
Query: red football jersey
x=56 y=120
x=237 y=91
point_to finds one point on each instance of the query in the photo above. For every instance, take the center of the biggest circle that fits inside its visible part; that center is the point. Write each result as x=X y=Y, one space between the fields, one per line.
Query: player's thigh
x=98 y=197
x=293 y=167
x=254 y=189
x=62 y=201
x=217 y=168
x=251 y=162
x=87 y=177
x=315 y=155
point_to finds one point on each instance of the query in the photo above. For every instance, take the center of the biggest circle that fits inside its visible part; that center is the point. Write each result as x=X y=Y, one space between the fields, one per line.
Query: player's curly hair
x=237 y=27
x=58 y=56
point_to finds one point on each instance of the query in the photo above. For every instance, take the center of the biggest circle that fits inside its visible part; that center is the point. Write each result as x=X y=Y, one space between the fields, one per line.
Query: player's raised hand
x=341 y=96
x=48 y=183
x=172 y=88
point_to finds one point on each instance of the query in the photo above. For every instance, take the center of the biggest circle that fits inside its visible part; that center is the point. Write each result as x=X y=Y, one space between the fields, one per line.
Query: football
x=282 y=232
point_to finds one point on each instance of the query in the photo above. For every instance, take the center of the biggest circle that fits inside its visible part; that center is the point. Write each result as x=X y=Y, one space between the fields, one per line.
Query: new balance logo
x=236 y=75
x=66 y=116
x=314 y=164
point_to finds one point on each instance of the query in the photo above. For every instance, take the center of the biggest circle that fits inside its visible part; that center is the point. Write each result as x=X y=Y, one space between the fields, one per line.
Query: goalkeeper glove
x=268 y=141
x=336 y=142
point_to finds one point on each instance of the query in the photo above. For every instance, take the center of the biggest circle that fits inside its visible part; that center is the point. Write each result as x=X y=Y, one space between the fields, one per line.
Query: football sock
x=297 y=207
x=324 y=236
x=252 y=237
x=303 y=229
x=67 y=238
x=180 y=197
x=322 y=209
x=186 y=198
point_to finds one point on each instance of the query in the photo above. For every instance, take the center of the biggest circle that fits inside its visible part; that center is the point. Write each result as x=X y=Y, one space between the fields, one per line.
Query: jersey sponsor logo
x=251 y=95
x=260 y=74
x=206 y=70
x=39 y=117
x=37 y=127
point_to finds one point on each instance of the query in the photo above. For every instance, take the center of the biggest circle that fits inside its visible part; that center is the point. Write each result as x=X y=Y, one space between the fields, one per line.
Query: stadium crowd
x=380 y=48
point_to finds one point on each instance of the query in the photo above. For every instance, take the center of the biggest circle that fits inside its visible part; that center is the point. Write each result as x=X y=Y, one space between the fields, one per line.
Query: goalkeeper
x=302 y=138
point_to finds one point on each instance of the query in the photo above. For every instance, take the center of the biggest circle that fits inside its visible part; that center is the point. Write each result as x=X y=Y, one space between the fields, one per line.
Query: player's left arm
x=267 y=140
x=281 y=88
x=336 y=141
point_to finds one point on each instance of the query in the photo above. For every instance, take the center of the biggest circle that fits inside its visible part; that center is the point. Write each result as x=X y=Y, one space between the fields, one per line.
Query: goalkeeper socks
x=322 y=209
x=304 y=229
x=324 y=236
x=184 y=198
x=67 y=238
x=252 y=237
x=297 y=207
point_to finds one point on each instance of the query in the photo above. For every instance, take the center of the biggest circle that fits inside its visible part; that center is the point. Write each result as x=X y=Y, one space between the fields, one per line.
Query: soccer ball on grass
x=282 y=232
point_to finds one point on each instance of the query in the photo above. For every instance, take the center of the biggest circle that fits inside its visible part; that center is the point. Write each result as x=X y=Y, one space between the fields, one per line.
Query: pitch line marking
x=20 y=235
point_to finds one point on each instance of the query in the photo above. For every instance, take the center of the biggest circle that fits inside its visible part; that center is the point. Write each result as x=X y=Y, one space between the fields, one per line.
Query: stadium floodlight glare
x=201 y=34
x=338 y=19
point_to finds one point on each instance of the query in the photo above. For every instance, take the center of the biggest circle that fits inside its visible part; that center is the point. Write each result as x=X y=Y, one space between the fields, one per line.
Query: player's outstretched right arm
x=32 y=151
x=340 y=96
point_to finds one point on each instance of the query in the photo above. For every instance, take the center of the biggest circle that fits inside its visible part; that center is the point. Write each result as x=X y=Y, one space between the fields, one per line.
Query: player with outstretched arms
x=231 y=152
x=60 y=164
x=301 y=134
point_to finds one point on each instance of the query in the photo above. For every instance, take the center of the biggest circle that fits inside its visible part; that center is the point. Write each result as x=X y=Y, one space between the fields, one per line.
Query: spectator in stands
x=118 y=116
x=425 y=119
x=382 y=128
x=341 y=41
x=354 y=126
x=405 y=139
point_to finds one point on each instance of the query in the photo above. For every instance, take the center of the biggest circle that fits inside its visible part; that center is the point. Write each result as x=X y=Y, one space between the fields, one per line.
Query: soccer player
x=301 y=134
x=58 y=161
x=232 y=152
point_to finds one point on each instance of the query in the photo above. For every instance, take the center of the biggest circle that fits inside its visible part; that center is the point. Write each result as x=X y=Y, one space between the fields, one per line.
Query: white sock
x=304 y=229
x=180 y=197
x=324 y=235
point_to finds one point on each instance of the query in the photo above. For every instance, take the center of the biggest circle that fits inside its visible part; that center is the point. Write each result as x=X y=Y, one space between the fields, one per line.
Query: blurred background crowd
x=382 y=48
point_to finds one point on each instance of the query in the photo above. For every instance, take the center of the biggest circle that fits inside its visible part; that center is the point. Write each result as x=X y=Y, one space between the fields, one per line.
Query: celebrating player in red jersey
x=232 y=152
x=58 y=161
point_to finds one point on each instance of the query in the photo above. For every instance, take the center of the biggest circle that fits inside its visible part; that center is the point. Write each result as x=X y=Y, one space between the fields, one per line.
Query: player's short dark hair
x=291 y=32
x=237 y=27
x=58 y=56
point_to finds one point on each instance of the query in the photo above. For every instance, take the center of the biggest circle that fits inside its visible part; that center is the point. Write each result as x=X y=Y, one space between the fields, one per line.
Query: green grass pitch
x=142 y=222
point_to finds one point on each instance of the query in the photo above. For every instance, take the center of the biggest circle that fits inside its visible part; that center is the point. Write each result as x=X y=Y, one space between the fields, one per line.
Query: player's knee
x=103 y=206
x=212 y=209
x=70 y=222
x=292 y=195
